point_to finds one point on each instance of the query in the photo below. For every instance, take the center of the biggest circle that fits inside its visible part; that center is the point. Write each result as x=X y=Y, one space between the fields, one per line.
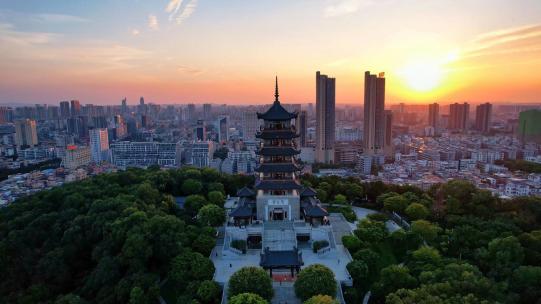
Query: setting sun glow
x=422 y=76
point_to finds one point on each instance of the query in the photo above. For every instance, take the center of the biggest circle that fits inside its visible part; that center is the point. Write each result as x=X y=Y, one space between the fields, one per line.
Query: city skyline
x=177 y=52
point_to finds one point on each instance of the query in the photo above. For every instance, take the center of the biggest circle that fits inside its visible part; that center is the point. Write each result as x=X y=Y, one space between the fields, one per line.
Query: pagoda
x=278 y=194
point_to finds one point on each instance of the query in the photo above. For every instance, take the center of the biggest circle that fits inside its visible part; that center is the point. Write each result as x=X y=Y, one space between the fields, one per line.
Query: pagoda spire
x=276 y=91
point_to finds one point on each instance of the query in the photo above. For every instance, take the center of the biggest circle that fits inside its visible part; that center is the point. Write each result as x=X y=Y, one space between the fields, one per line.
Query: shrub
x=319 y=244
x=351 y=242
x=321 y=299
x=251 y=280
x=315 y=280
x=416 y=211
x=209 y=292
x=247 y=298
x=239 y=245
x=378 y=217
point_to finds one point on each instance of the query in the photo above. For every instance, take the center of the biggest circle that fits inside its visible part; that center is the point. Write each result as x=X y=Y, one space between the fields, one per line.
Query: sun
x=422 y=76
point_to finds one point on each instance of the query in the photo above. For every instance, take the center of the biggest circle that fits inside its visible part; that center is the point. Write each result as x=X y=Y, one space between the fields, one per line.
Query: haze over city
x=202 y=51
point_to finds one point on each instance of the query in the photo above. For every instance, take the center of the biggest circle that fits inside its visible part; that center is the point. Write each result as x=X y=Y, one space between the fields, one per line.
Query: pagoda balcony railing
x=288 y=129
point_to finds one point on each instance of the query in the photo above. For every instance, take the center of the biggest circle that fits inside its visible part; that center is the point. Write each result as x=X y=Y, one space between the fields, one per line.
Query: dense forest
x=463 y=245
x=121 y=238
x=114 y=238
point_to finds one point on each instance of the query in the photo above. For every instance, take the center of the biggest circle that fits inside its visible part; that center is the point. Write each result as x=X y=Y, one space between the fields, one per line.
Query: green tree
x=247 y=298
x=209 y=292
x=371 y=231
x=396 y=203
x=211 y=215
x=191 y=186
x=416 y=211
x=425 y=229
x=315 y=280
x=340 y=199
x=216 y=186
x=321 y=299
x=204 y=244
x=359 y=271
x=216 y=198
x=393 y=278
x=351 y=242
x=526 y=281
x=194 y=203
x=502 y=256
x=322 y=194
x=251 y=280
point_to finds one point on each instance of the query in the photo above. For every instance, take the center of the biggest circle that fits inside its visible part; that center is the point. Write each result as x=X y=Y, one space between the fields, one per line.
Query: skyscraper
x=483 y=117
x=124 y=108
x=99 y=144
x=388 y=135
x=459 y=116
x=250 y=125
x=325 y=118
x=25 y=133
x=433 y=115
x=142 y=106
x=190 y=114
x=207 y=109
x=529 y=128
x=302 y=125
x=374 y=113
x=200 y=132
x=75 y=108
x=223 y=128
x=64 y=109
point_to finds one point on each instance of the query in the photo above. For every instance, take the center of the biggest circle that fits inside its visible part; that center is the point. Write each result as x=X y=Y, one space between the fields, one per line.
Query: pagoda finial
x=276 y=91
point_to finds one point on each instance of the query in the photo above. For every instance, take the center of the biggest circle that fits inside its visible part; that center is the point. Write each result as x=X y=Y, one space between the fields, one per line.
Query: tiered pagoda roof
x=277 y=167
x=276 y=112
x=278 y=151
x=276 y=134
x=278 y=185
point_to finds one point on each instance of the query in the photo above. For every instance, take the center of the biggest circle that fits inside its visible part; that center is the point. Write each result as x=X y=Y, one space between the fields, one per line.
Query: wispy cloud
x=58 y=18
x=345 y=7
x=135 y=32
x=507 y=41
x=189 y=70
x=178 y=12
x=8 y=34
x=153 y=22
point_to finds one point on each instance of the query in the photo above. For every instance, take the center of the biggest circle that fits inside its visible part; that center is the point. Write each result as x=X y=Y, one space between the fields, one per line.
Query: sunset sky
x=178 y=51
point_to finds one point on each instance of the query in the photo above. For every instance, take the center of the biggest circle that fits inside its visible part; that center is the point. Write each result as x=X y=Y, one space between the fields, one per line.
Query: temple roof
x=245 y=192
x=276 y=112
x=315 y=211
x=308 y=191
x=274 y=134
x=277 y=167
x=277 y=185
x=242 y=211
x=278 y=151
x=282 y=258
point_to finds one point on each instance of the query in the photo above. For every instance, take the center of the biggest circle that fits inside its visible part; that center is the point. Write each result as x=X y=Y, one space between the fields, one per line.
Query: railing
x=324 y=250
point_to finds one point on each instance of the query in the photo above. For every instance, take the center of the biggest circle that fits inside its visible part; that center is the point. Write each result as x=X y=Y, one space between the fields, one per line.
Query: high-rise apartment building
x=325 y=118
x=459 y=116
x=26 y=134
x=388 y=135
x=76 y=157
x=124 y=105
x=222 y=126
x=207 y=111
x=374 y=113
x=75 y=108
x=529 y=128
x=190 y=114
x=144 y=154
x=433 y=115
x=202 y=153
x=64 y=109
x=250 y=125
x=302 y=125
x=483 y=117
x=99 y=145
x=200 y=131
